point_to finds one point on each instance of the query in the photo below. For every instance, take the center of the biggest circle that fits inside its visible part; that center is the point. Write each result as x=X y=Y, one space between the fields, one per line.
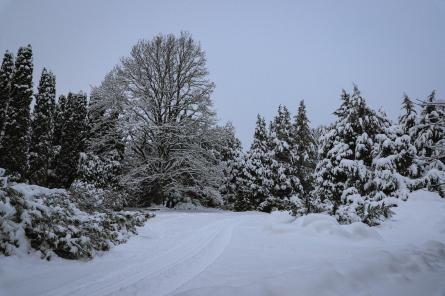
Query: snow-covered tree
x=59 y=117
x=350 y=183
x=106 y=136
x=430 y=129
x=231 y=155
x=101 y=166
x=236 y=189
x=255 y=180
x=429 y=139
x=105 y=142
x=281 y=145
x=169 y=119
x=41 y=151
x=304 y=153
x=15 y=142
x=72 y=141
x=6 y=72
x=408 y=118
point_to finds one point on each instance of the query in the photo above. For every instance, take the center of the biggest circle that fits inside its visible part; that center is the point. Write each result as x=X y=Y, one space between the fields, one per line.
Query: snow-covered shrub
x=356 y=208
x=51 y=223
x=433 y=180
x=3 y=178
x=10 y=234
x=102 y=172
x=97 y=185
x=90 y=198
x=293 y=205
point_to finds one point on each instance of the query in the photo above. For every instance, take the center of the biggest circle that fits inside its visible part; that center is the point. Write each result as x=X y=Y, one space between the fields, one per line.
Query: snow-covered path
x=223 y=253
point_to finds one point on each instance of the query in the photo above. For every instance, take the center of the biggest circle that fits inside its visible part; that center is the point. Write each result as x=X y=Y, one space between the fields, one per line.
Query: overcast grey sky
x=260 y=53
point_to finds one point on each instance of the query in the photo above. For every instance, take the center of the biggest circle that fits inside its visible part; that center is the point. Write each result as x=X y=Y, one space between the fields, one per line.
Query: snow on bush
x=90 y=198
x=293 y=205
x=48 y=221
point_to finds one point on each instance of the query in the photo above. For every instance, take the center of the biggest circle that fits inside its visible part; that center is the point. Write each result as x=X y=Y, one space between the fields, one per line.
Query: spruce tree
x=255 y=180
x=101 y=164
x=72 y=140
x=105 y=137
x=15 y=143
x=429 y=135
x=41 y=149
x=408 y=118
x=405 y=157
x=6 y=72
x=343 y=110
x=59 y=117
x=284 y=178
x=349 y=183
x=232 y=161
x=430 y=129
x=304 y=153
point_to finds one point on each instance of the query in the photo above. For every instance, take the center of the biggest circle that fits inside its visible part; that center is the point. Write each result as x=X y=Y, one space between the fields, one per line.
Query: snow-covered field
x=224 y=253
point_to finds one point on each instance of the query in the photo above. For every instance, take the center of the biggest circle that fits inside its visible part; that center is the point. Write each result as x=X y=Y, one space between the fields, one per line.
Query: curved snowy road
x=223 y=253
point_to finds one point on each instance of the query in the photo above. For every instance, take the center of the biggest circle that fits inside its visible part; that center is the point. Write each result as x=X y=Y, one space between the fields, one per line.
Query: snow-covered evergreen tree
x=15 y=142
x=105 y=142
x=73 y=138
x=59 y=117
x=6 y=72
x=41 y=151
x=284 y=177
x=304 y=153
x=350 y=183
x=430 y=129
x=232 y=163
x=429 y=139
x=100 y=167
x=255 y=180
x=106 y=105
x=408 y=118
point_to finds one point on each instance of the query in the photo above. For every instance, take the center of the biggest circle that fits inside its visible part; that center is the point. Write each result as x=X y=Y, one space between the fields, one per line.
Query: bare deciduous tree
x=170 y=119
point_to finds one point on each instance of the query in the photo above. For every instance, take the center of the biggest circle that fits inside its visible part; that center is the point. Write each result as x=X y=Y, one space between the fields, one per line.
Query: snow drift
x=251 y=253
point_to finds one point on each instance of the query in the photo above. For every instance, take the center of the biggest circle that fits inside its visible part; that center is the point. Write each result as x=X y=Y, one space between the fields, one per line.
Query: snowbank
x=258 y=254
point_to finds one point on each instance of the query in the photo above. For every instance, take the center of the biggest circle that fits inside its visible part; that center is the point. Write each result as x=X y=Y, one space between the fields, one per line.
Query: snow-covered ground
x=224 y=253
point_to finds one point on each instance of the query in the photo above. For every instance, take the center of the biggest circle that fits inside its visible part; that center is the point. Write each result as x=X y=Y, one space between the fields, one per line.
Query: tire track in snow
x=166 y=272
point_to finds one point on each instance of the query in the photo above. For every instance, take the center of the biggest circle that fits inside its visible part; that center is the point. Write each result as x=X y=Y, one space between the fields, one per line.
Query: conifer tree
x=408 y=118
x=58 y=124
x=430 y=129
x=101 y=164
x=59 y=117
x=232 y=163
x=429 y=139
x=236 y=186
x=15 y=142
x=6 y=72
x=305 y=154
x=102 y=121
x=42 y=127
x=255 y=180
x=348 y=181
x=285 y=181
x=72 y=140
x=343 y=110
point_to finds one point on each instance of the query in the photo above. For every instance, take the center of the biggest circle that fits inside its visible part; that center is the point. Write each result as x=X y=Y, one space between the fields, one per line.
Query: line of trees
x=148 y=134
x=41 y=147
x=352 y=169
